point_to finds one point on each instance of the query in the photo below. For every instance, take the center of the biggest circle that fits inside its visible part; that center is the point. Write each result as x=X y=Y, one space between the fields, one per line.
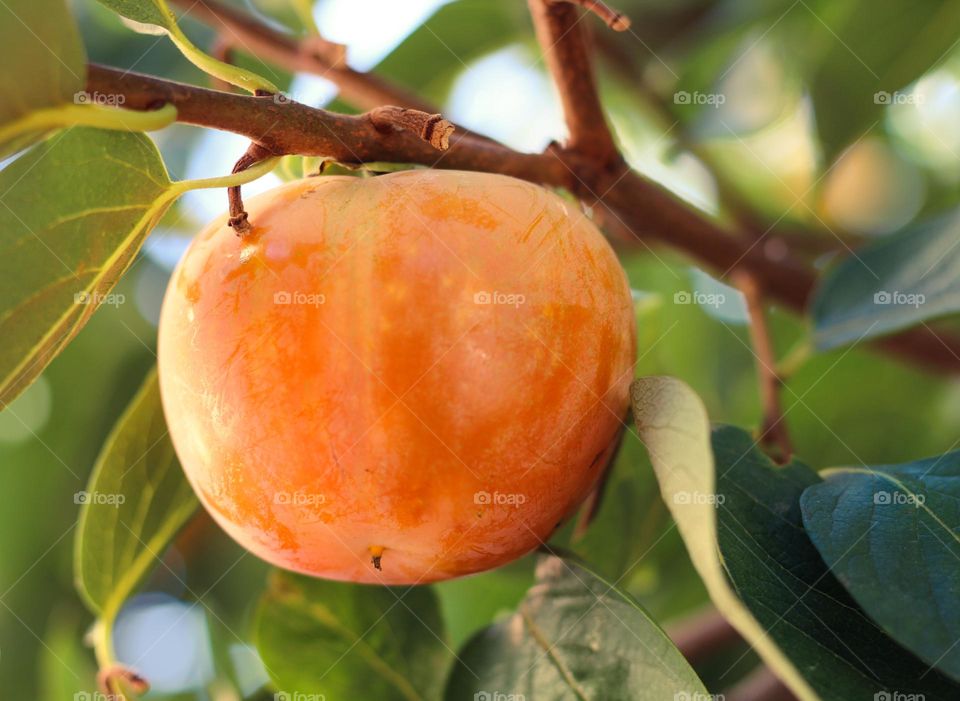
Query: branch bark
x=643 y=207
x=703 y=635
x=562 y=35
x=773 y=430
x=250 y=34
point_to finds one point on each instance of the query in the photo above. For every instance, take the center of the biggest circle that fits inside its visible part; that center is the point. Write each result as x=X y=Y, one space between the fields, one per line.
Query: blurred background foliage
x=800 y=140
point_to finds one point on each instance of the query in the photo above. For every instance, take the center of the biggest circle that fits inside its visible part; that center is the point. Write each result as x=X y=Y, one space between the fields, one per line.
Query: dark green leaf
x=891 y=535
x=897 y=282
x=575 y=636
x=136 y=501
x=348 y=641
x=75 y=210
x=742 y=525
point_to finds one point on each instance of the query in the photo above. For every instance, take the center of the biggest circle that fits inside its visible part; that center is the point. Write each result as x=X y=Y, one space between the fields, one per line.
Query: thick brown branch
x=563 y=39
x=773 y=431
x=643 y=207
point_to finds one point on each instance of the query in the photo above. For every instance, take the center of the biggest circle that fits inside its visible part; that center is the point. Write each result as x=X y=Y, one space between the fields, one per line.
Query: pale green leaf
x=136 y=501
x=74 y=211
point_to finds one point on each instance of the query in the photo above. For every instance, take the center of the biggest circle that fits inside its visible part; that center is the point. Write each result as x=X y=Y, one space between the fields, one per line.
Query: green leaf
x=136 y=501
x=157 y=17
x=574 y=636
x=435 y=53
x=42 y=65
x=348 y=641
x=891 y=535
x=867 y=51
x=742 y=525
x=151 y=12
x=896 y=283
x=75 y=210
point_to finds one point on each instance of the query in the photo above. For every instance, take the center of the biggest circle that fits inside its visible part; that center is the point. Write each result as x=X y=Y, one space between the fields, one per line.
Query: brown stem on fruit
x=648 y=211
x=562 y=37
x=616 y=20
x=376 y=555
x=760 y=685
x=109 y=679
x=702 y=635
x=432 y=128
x=774 y=434
x=238 y=215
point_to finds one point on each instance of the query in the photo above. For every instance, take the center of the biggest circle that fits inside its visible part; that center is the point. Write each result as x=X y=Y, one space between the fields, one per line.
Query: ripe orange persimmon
x=397 y=379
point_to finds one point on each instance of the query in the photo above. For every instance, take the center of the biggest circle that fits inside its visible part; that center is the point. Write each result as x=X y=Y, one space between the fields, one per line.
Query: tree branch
x=773 y=430
x=562 y=36
x=703 y=635
x=308 y=56
x=640 y=205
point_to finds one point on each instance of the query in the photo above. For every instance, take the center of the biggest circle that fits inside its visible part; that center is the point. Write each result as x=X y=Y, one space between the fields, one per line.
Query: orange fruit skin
x=337 y=385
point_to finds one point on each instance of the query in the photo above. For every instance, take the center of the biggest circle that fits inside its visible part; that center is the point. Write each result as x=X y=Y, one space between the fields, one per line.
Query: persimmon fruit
x=397 y=379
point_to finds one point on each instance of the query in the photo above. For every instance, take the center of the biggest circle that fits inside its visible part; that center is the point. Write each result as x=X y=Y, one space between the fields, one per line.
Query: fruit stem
x=238 y=215
x=376 y=553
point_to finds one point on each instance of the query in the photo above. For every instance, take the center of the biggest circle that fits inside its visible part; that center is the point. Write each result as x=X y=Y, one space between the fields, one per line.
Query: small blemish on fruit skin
x=376 y=554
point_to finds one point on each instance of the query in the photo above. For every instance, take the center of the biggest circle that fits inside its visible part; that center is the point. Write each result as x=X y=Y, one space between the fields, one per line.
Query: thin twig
x=616 y=20
x=645 y=208
x=773 y=433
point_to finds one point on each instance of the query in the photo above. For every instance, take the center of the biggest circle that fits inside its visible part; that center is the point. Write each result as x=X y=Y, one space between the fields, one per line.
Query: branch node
x=432 y=128
x=108 y=679
x=616 y=20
